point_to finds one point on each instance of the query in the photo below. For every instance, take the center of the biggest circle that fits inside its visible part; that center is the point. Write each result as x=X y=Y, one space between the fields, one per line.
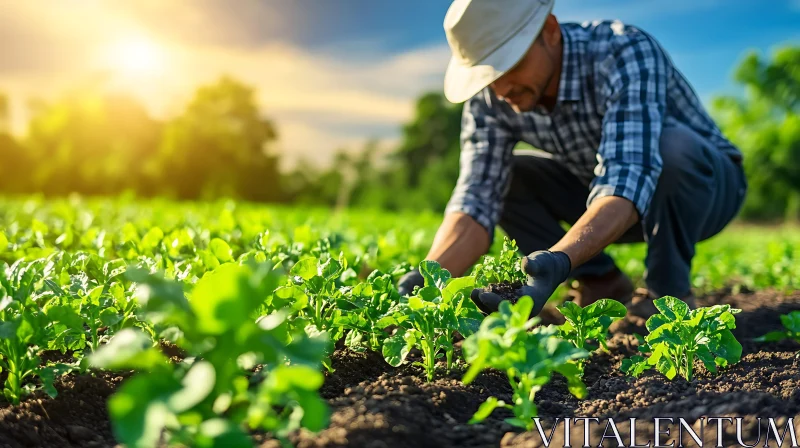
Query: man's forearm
x=459 y=243
x=606 y=220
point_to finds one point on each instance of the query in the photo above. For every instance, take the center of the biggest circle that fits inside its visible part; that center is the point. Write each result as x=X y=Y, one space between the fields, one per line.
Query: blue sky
x=705 y=37
x=331 y=73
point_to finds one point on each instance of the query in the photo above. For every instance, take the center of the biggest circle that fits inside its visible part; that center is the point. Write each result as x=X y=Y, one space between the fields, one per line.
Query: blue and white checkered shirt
x=618 y=88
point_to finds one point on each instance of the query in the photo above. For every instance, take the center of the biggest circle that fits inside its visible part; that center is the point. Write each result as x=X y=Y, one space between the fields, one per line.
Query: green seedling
x=590 y=323
x=529 y=358
x=428 y=320
x=678 y=335
x=213 y=398
x=503 y=269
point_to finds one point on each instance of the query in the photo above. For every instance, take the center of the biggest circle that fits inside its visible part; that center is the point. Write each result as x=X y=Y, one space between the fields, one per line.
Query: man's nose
x=501 y=89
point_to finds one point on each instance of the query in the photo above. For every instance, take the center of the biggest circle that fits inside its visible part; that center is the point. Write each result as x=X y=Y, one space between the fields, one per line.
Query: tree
x=766 y=126
x=220 y=147
x=88 y=142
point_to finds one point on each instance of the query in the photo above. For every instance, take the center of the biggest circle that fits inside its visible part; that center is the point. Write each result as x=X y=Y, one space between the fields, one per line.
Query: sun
x=137 y=56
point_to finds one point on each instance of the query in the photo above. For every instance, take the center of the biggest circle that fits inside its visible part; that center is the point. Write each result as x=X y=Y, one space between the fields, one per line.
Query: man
x=629 y=155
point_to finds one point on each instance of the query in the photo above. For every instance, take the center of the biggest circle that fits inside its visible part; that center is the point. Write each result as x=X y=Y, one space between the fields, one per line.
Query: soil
x=375 y=405
x=507 y=291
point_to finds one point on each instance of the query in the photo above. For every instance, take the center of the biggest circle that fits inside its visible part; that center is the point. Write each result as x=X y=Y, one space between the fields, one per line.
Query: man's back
x=618 y=89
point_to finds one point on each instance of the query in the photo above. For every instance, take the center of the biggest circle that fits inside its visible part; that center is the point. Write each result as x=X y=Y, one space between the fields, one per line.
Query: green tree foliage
x=87 y=142
x=97 y=143
x=219 y=147
x=765 y=124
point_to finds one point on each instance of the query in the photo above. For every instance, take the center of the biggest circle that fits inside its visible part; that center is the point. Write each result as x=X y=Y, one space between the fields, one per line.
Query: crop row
x=257 y=332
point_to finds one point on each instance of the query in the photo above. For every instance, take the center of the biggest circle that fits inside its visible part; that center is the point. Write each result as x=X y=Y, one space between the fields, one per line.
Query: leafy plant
x=428 y=320
x=25 y=330
x=367 y=311
x=213 y=396
x=503 y=268
x=791 y=324
x=677 y=335
x=506 y=342
x=590 y=323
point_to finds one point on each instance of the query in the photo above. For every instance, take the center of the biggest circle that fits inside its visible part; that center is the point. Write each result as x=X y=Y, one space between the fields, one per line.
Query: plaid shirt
x=618 y=88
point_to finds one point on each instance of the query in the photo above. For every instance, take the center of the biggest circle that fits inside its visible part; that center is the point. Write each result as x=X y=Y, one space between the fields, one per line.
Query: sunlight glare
x=137 y=57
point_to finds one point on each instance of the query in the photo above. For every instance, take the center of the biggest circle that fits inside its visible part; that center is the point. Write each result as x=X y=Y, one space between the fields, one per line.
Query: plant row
x=256 y=334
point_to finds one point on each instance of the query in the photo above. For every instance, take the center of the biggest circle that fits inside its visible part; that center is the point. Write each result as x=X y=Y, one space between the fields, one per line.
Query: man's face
x=525 y=85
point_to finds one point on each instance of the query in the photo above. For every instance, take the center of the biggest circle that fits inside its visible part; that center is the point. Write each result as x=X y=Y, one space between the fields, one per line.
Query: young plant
x=25 y=330
x=212 y=398
x=503 y=269
x=506 y=342
x=313 y=290
x=428 y=320
x=677 y=335
x=366 y=311
x=589 y=323
x=791 y=324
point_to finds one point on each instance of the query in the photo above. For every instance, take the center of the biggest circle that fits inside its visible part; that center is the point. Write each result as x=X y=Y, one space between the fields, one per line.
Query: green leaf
x=733 y=349
x=221 y=250
x=656 y=321
x=672 y=308
x=330 y=269
x=353 y=340
x=138 y=410
x=395 y=349
x=575 y=384
x=606 y=307
x=707 y=358
x=128 y=349
x=223 y=299
x=305 y=268
x=3 y=242
x=468 y=326
x=791 y=321
x=65 y=315
x=433 y=273
x=48 y=375
x=665 y=333
x=152 y=238
x=221 y=433
x=486 y=408
x=316 y=414
x=292 y=296
x=456 y=285
x=110 y=317
x=773 y=336
x=197 y=385
x=571 y=311
x=521 y=310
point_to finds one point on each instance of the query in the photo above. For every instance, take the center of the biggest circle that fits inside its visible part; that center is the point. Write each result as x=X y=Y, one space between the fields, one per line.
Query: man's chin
x=524 y=107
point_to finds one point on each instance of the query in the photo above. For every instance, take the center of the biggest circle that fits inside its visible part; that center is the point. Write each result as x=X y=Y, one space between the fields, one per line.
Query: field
x=230 y=324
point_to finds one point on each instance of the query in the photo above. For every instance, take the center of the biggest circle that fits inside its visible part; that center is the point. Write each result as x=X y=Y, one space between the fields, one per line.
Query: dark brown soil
x=376 y=405
x=508 y=291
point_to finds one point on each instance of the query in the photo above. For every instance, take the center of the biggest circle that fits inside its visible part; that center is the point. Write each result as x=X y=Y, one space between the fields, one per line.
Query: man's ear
x=551 y=31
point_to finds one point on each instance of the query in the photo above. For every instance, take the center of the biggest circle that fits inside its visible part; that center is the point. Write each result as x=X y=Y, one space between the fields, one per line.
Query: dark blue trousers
x=699 y=192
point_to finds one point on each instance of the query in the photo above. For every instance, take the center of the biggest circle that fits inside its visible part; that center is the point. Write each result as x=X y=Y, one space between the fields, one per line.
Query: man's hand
x=408 y=281
x=545 y=271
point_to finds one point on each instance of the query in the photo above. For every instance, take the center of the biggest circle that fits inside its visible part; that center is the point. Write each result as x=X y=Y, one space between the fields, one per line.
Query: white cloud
x=309 y=95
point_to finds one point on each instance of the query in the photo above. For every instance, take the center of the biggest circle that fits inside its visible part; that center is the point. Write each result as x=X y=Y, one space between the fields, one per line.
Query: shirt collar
x=569 y=86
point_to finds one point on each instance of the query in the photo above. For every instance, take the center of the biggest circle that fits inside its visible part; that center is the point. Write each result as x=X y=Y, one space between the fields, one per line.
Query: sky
x=330 y=73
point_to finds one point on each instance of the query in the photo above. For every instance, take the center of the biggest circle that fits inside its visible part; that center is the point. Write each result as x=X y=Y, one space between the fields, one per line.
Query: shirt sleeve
x=487 y=144
x=629 y=158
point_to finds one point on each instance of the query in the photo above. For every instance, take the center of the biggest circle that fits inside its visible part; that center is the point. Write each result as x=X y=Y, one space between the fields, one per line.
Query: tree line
x=222 y=146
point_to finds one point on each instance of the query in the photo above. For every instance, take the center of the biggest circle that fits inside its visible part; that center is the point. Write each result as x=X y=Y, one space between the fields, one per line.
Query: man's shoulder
x=607 y=36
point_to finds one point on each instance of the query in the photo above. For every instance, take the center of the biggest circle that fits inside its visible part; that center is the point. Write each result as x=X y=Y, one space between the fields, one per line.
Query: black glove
x=408 y=281
x=546 y=270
